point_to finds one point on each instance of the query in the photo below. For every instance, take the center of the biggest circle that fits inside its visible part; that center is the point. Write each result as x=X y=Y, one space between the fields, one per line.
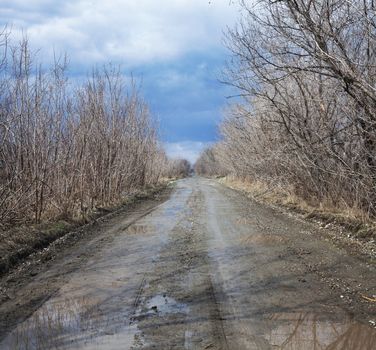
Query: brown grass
x=18 y=243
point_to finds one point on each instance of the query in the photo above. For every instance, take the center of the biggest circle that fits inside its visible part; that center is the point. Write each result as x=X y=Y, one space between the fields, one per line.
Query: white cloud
x=134 y=32
x=189 y=150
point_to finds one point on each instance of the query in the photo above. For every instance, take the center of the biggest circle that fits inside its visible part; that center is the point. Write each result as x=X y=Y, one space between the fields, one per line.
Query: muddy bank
x=18 y=243
x=206 y=269
x=357 y=236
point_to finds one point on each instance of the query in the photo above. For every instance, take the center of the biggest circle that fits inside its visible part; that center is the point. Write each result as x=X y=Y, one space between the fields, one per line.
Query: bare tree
x=66 y=151
x=306 y=71
x=179 y=168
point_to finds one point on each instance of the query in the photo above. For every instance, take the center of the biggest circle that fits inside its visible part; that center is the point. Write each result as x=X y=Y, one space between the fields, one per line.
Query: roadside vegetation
x=70 y=152
x=304 y=130
x=178 y=168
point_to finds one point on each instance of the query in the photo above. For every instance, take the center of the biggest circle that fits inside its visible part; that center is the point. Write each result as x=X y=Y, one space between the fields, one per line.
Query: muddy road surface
x=206 y=269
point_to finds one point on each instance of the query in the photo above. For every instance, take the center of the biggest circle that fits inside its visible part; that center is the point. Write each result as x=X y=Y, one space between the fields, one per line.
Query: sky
x=173 y=47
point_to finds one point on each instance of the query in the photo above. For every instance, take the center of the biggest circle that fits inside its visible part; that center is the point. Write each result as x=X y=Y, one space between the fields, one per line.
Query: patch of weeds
x=365 y=233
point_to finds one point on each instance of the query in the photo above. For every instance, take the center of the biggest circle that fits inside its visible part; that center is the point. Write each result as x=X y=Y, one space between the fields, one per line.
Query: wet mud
x=207 y=269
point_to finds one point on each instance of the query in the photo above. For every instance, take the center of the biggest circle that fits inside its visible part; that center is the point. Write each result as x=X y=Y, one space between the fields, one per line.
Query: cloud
x=187 y=97
x=174 y=47
x=189 y=150
x=134 y=32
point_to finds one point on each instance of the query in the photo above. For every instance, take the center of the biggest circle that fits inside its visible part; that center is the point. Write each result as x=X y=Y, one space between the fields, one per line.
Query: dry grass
x=274 y=194
x=352 y=219
x=19 y=242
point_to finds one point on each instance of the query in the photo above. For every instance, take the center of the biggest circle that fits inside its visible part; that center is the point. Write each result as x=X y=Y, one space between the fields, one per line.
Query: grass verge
x=17 y=243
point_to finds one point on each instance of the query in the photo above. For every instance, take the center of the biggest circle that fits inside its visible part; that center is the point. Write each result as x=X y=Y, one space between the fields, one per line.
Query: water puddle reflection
x=162 y=305
x=82 y=324
x=73 y=324
x=85 y=323
x=293 y=331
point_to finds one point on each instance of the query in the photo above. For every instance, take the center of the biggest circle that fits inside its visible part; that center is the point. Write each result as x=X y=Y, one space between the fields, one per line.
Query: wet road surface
x=207 y=269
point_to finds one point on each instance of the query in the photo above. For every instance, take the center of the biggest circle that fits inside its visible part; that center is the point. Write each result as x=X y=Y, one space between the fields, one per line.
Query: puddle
x=126 y=339
x=81 y=323
x=72 y=324
x=307 y=331
x=162 y=305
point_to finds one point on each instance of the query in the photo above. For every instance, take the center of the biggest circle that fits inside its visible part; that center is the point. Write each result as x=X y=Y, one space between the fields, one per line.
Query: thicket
x=179 y=168
x=306 y=71
x=67 y=149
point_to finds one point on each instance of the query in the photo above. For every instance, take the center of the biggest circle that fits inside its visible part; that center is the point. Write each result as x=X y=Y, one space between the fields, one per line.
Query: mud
x=207 y=269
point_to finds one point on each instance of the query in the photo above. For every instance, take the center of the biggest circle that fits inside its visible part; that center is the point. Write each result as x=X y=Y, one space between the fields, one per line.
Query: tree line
x=67 y=149
x=305 y=71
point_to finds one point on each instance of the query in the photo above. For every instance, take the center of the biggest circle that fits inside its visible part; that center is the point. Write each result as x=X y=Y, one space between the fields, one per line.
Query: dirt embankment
x=347 y=230
x=18 y=243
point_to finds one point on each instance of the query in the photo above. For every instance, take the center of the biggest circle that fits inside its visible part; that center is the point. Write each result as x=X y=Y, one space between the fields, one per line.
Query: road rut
x=208 y=269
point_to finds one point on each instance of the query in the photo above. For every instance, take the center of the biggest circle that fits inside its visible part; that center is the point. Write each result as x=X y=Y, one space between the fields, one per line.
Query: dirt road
x=207 y=269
